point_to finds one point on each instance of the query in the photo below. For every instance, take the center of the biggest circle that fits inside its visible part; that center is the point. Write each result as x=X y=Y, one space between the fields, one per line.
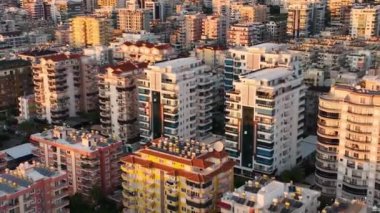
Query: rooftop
x=125 y=67
x=344 y=205
x=159 y=46
x=268 y=74
x=19 y=151
x=10 y=64
x=177 y=63
x=38 y=52
x=79 y=140
x=23 y=177
x=62 y=57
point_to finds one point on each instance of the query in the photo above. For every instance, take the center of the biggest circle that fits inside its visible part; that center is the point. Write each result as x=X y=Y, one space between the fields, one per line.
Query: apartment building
x=176 y=99
x=90 y=31
x=143 y=51
x=27 y=107
x=265 y=195
x=34 y=8
x=335 y=8
x=213 y=56
x=249 y=13
x=64 y=84
x=246 y=34
x=118 y=101
x=107 y=3
x=305 y=18
x=348 y=137
x=242 y=60
x=276 y=30
x=15 y=81
x=103 y=55
x=134 y=21
x=176 y=176
x=264 y=121
x=365 y=21
x=214 y=28
x=35 y=55
x=89 y=159
x=193 y=28
x=34 y=188
x=345 y=205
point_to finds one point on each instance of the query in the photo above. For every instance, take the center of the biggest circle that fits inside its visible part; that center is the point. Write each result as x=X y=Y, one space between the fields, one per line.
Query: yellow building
x=90 y=31
x=176 y=176
x=134 y=21
x=249 y=13
x=107 y=3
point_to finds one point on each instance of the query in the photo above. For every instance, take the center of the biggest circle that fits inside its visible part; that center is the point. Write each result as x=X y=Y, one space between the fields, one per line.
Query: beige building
x=143 y=51
x=336 y=7
x=90 y=31
x=89 y=159
x=365 y=22
x=168 y=176
x=246 y=34
x=134 y=21
x=348 y=134
x=249 y=13
x=107 y=3
x=118 y=101
x=64 y=84
x=214 y=28
x=193 y=28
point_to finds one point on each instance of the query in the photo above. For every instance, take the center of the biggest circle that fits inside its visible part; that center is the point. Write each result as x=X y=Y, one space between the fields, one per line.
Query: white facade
x=26 y=107
x=364 y=22
x=270 y=196
x=265 y=118
x=176 y=99
x=101 y=54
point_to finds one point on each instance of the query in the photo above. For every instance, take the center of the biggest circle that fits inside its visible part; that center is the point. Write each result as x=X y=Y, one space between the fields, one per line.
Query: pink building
x=33 y=188
x=88 y=158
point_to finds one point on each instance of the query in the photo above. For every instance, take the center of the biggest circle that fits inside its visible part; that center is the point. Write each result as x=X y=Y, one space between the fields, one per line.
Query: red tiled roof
x=163 y=46
x=62 y=57
x=127 y=66
x=224 y=205
x=147 y=44
x=179 y=172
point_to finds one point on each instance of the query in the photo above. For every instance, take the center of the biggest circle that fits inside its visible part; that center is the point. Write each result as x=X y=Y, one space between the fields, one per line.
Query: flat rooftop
x=177 y=62
x=268 y=74
x=10 y=64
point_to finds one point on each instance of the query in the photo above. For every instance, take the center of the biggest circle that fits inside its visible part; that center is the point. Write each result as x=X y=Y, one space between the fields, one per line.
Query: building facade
x=89 y=159
x=214 y=28
x=134 y=20
x=27 y=107
x=365 y=21
x=167 y=176
x=176 y=99
x=90 y=31
x=15 y=81
x=347 y=141
x=263 y=130
x=64 y=84
x=34 y=188
x=246 y=34
x=118 y=101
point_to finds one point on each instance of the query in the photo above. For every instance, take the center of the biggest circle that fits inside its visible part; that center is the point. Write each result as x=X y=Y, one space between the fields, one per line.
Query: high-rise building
x=242 y=60
x=347 y=158
x=15 y=81
x=334 y=8
x=34 y=188
x=365 y=21
x=176 y=99
x=249 y=13
x=264 y=121
x=246 y=34
x=27 y=107
x=193 y=28
x=107 y=3
x=64 y=84
x=214 y=28
x=89 y=159
x=266 y=195
x=176 y=176
x=90 y=31
x=276 y=30
x=134 y=20
x=305 y=18
x=35 y=8
x=118 y=101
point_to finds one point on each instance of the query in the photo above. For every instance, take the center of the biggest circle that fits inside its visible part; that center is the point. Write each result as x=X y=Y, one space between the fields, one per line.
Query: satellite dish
x=218 y=146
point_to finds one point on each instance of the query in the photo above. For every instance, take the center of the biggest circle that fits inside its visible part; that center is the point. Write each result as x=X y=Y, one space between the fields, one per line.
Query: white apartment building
x=101 y=54
x=365 y=21
x=26 y=107
x=242 y=60
x=176 y=99
x=118 y=101
x=64 y=84
x=270 y=196
x=348 y=135
x=264 y=121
